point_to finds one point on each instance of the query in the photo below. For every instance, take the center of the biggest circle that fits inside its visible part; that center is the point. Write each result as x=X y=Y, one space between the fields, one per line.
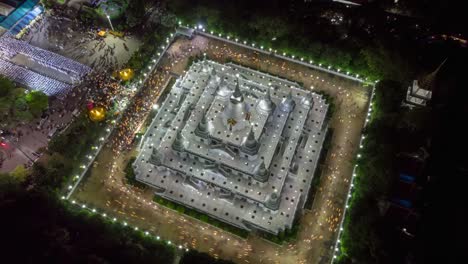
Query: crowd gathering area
x=39 y=69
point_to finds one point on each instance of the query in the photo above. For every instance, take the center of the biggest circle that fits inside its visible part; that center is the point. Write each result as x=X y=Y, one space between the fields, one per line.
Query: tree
x=315 y=49
x=52 y=174
x=268 y=28
x=6 y=86
x=47 y=3
x=20 y=173
x=18 y=92
x=168 y=19
x=21 y=104
x=135 y=12
x=5 y=105
x=336 y=57
x=415 y=120
x=37 y=102
x=7 y=184
x=388 y=98
x=386 y=64
x=36 y=222
x=24 y=116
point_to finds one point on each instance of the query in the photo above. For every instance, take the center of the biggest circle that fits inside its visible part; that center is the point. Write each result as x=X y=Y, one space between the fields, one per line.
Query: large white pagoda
x=237 y=144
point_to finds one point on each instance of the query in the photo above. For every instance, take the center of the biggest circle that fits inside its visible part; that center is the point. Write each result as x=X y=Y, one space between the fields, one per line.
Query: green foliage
x=65 y=152
x=5 y=107
x=386 y=64
x=20 y=173
x=168 y=20
x=272 y=26
x=336 y=57
x=386 y=134
x=316 y=49
x=25 y=116
x=208 y=16
x=17 y=105
x=113 y=8
x=14 y=178
x=18 y=92
x=135 y=12
x=8 y=183
x=52 y=174
x=151 y=42
x=77 y=140
x=48 y=4
x=37 y=102
x=20 y=104
x=52 y=232
x=269 y=28
x=6 y=86
x=90 y=16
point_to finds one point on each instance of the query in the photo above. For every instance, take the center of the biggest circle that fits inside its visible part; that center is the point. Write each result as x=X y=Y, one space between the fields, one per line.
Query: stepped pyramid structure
x=420 y=93
x=239 y=145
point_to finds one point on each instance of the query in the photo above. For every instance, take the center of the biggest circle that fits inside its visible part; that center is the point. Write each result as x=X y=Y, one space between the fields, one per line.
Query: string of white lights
x=200 y=29
x=336 y=249
x=158 y=56
x=92 y=156
x=104 y=215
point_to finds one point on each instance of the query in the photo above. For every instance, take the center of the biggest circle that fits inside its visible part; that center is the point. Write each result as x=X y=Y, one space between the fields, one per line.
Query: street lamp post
x=110 y=22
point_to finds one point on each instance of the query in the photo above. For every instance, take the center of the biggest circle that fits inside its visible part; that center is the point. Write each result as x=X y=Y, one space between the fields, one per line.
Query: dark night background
x=35 y=227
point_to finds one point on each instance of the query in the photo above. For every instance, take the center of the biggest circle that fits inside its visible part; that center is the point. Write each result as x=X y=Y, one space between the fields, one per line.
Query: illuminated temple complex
x=234 y=143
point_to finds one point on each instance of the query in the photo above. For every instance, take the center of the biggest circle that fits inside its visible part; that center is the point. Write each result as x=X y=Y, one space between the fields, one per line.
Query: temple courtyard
x=105 y=188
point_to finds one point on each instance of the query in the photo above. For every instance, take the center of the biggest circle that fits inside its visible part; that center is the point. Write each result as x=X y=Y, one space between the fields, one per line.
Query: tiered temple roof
x=220 y=144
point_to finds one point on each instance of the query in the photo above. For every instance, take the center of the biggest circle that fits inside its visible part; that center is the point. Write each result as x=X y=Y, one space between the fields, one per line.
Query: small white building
x=420 y=93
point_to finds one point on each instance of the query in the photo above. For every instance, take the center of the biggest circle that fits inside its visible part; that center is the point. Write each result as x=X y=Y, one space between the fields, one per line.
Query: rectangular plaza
x=237 y=144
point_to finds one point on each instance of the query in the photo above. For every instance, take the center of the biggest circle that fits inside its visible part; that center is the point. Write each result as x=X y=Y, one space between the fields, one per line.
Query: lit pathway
x=318 y=226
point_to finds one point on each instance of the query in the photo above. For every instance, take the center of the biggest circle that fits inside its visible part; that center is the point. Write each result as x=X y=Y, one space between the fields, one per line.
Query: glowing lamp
x=97 y=114
x=126 y=74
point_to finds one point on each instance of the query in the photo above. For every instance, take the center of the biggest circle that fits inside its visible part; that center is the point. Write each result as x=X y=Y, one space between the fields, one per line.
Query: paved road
x=105 y=187
x=71 y=38
x=20 y=149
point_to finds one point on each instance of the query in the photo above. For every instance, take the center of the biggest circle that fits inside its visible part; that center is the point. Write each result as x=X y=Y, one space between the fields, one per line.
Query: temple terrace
x=236 y=144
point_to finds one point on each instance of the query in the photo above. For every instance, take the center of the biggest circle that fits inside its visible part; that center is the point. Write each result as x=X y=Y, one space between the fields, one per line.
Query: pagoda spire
x=265 y=104
x=178 y=144
x=237 y=96
x=268 y=95
x=427 y=82
x=156 y=158
x=287 y=104
x=251 y=135
x=202 y=127
x=261 y=173
x=273 y=201
x=251 y=145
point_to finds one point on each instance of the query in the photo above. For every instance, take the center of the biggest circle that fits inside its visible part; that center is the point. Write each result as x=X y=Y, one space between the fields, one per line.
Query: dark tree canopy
x=38 y=228
x=18 y=105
